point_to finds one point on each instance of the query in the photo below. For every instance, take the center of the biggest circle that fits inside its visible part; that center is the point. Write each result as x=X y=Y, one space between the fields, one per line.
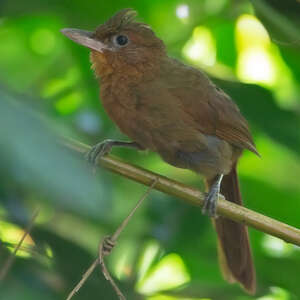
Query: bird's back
x=210 y=107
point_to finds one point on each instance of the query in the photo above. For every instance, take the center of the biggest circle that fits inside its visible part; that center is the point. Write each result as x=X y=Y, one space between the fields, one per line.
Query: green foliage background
x=47 y=90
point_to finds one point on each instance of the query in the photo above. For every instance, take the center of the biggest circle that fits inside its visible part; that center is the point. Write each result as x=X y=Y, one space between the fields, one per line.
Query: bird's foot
x=99 y=150
x=210 y=202
x=107 y=245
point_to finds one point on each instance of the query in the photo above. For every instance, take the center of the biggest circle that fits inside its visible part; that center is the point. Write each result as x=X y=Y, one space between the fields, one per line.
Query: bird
x=175 y=110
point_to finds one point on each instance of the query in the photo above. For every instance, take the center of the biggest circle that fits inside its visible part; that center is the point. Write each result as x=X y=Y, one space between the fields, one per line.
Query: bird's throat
x=100 y=64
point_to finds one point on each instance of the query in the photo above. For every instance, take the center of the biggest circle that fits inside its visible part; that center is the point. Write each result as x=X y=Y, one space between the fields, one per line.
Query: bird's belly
x=210 y=159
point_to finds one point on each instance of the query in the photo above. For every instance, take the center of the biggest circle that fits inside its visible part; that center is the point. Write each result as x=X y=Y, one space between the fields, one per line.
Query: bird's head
x=120 y=45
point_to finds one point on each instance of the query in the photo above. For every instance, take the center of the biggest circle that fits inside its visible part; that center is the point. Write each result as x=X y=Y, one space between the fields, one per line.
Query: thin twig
x=85 y=276
x=103 y=252
x=115 y=236
x=113 y=240
x=193 y=196
x=7 y=265
x=107 y=274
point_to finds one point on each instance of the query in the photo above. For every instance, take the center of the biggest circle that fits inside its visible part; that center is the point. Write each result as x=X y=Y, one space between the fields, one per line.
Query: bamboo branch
x=193 y=196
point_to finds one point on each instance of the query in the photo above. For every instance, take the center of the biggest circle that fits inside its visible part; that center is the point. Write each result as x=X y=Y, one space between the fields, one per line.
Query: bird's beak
x=84 y=38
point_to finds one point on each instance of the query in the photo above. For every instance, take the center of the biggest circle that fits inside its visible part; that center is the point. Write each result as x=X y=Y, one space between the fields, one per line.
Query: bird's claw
x=211 y=199
x=210 y=203
x=97 y=151
x=107 y=245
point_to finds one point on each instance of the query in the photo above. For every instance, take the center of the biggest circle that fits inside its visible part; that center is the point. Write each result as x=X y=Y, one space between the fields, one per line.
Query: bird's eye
x=120 y=40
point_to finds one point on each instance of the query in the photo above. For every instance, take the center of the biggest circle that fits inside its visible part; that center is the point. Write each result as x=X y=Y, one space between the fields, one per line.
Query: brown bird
x=173 y=109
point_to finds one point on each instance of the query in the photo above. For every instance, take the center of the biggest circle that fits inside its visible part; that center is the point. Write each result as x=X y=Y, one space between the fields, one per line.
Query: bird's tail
x=233 y=241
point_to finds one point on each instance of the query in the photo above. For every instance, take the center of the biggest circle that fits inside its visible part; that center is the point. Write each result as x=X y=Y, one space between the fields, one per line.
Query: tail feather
x=233 y=240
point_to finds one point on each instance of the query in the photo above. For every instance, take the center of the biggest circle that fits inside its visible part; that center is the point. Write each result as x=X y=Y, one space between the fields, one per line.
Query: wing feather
x=212 y=110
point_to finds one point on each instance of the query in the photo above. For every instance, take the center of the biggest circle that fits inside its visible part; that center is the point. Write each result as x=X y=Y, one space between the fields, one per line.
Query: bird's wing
x=212 y=110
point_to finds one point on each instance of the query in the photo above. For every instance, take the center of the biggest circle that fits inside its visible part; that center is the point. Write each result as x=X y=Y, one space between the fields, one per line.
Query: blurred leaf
x=32 y=152
x=281 y=19
x=224 y=32
x=260 y=108
x=291 y=57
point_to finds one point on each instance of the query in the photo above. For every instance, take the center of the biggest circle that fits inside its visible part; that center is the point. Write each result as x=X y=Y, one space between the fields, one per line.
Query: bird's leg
x=105 y=147
x=211 y=199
